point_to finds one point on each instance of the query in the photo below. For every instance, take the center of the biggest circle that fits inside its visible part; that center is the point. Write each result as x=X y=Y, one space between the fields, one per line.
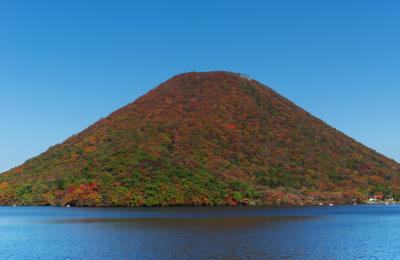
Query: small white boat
x=330 y=204
x=68 y=206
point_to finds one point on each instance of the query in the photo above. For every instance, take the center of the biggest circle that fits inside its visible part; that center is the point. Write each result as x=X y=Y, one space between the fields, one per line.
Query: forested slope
x=213 y=138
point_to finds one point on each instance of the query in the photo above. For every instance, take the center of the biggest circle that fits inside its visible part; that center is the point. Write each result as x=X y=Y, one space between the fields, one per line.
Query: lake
x=339 y=232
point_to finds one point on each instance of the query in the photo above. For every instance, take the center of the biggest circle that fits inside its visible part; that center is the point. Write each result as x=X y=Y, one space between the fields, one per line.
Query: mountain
x=212 y=138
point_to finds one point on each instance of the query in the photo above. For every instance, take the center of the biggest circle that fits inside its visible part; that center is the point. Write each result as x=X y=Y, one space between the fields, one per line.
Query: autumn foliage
x=213 y=138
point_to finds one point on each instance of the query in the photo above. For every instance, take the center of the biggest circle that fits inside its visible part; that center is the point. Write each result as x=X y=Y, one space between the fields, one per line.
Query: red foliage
x=230 y=126
x=219 y=123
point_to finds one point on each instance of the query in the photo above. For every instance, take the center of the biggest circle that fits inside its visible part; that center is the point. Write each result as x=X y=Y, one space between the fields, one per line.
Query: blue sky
x=65 y=64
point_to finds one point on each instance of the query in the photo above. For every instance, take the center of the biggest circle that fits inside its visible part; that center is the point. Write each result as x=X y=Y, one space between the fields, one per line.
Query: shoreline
x=220 y=206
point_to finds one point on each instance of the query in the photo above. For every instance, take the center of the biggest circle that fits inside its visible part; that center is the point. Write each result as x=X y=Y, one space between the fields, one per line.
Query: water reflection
x=199 y=233
x=234 y=221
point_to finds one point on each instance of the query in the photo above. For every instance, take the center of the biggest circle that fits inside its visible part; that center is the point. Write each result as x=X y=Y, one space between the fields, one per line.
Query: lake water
x=340 y=232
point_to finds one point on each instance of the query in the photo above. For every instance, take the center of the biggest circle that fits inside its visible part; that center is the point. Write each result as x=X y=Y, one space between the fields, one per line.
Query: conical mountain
x=213 y=138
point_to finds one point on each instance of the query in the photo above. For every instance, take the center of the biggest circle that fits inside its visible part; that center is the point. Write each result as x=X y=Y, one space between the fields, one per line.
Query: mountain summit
x=212 y=138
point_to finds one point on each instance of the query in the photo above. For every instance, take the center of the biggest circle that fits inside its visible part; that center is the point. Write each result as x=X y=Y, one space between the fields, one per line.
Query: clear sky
x=65 y=64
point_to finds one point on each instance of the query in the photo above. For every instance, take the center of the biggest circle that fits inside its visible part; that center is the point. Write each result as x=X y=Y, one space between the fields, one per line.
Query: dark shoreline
x=210 y=206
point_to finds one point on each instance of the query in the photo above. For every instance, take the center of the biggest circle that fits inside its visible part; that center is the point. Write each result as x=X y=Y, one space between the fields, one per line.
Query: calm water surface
x=340 y=232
